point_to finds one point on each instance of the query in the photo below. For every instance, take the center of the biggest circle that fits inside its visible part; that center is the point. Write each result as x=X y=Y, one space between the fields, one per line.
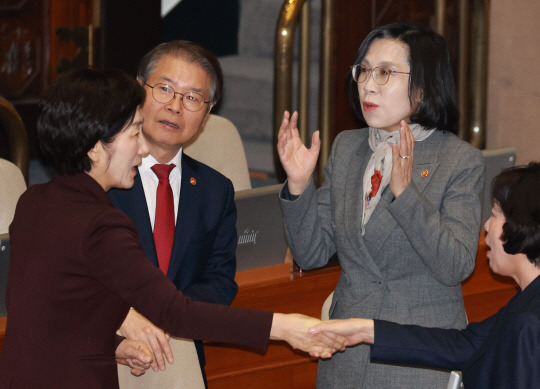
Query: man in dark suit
x=195 y=246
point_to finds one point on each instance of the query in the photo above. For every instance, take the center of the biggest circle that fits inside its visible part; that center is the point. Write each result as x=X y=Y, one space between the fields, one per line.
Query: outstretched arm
x=411 y=344
x=298 y=161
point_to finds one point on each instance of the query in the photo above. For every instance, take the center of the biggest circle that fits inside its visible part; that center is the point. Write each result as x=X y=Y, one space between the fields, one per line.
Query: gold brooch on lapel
x=424 y=173
x=193 y=181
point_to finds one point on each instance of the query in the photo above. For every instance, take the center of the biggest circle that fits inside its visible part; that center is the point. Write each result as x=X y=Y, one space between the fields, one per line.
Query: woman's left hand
x=138 y=327
x=135 y=354
x=402 y=160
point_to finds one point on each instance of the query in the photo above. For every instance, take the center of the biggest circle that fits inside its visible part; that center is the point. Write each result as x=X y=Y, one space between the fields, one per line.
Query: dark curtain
x=211 y=23
x=128 y=30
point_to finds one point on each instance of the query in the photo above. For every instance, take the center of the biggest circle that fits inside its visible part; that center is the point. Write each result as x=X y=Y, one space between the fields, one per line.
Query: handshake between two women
x=301 y=332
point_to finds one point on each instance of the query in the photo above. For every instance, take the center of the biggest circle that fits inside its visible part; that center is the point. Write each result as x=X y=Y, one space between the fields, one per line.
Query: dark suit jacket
x=502 y=351
x=76 y=268
x=203 y=259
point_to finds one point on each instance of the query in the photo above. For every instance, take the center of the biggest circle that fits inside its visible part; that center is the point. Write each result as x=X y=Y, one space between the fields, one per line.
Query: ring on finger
x=404 y=156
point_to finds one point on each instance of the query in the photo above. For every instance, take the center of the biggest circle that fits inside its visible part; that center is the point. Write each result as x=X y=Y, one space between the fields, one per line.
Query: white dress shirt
x=150 y=183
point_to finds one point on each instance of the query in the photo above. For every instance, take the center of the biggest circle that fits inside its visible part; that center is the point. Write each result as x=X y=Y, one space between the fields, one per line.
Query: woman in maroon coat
x=77 y=266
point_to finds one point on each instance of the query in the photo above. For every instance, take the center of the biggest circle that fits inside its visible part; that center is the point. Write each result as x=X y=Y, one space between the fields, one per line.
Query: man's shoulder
x=212 y=176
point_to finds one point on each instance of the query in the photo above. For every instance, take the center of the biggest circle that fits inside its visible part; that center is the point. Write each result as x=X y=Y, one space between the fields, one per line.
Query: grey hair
x=189 y=52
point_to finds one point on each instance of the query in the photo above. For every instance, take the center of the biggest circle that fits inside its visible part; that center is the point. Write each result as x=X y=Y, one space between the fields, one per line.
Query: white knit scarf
x=380 y=142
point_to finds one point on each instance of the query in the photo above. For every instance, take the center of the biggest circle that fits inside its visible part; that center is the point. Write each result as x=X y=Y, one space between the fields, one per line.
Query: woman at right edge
x=400 y=202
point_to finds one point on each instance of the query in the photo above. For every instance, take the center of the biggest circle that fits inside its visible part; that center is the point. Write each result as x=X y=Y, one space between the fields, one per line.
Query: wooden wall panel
x=67 y=15
x=23 y=42
x=31 y=50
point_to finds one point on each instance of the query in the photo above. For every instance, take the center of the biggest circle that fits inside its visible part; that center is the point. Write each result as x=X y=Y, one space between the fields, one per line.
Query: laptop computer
x=261 y=236
x=4 y=264
x=495 y=161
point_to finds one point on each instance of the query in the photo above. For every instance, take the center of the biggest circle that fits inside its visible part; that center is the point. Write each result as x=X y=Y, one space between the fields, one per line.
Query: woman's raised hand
x=298 y=161
x=402 y=160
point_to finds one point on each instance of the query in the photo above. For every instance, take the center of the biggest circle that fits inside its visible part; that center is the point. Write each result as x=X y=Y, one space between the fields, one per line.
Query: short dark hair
x=430 y=75
x=82 y=107
x=189 y=52
x=517 y=192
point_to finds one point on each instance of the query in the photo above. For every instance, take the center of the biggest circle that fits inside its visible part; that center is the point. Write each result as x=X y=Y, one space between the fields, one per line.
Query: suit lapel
x=355 y=172
x=188 y=207
x=353 y=204
x=381 y=224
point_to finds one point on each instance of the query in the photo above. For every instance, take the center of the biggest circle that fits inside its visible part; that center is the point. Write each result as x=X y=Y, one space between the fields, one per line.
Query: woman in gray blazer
x=503 y=350
x=400 y=202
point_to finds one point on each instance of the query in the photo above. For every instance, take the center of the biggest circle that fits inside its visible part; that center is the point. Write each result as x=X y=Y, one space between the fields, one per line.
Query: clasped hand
x=137 y=327
x=293 y=328
x=353 y=331
x=135 y=354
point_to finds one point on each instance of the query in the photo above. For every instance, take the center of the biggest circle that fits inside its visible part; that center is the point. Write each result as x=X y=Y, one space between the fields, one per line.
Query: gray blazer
x=409 y=264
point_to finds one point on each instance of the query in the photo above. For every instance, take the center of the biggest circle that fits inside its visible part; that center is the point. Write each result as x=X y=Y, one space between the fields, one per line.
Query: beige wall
x=513 y=112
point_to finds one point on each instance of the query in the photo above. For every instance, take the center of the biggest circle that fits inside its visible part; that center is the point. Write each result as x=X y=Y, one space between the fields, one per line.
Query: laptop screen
x=261 y=237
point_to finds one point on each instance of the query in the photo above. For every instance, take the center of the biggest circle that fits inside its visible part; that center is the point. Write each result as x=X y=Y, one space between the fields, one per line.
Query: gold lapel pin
x=424 y=173
x=193 y=181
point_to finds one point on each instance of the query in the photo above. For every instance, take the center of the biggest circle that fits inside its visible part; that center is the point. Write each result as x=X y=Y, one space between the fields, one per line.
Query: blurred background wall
x=513 y=110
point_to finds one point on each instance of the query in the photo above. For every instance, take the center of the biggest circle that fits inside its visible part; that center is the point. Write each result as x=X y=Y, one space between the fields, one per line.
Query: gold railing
x=472 y=65
x=473 y=97
x=283 y=70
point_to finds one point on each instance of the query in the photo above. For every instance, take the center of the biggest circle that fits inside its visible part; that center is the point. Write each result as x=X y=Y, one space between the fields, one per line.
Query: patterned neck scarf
x=379 y=168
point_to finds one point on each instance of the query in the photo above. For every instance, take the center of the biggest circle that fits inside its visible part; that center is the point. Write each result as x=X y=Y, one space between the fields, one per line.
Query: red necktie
x=164 y=223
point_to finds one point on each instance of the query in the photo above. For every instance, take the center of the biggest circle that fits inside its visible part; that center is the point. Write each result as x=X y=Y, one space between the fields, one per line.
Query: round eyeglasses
x=380 y=74
x=164 y=94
